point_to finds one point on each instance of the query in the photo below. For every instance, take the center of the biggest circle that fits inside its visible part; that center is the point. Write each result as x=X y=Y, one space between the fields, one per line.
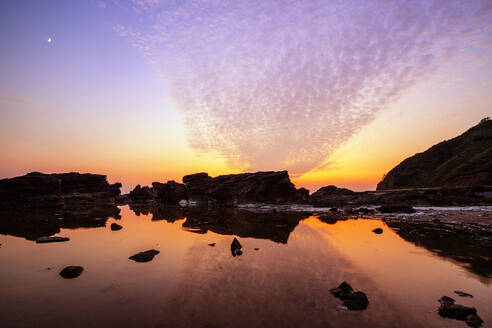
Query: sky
x=335 y=92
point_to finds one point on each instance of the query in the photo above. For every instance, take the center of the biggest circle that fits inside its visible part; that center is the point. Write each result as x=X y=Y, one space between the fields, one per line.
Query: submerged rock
x=43 y=240
x=116 y=226
x=71 y=272
x=236 y=247
x=449 y=309
x=356 y=301
x=144 y=256
x=378 y=231
x=462 y=294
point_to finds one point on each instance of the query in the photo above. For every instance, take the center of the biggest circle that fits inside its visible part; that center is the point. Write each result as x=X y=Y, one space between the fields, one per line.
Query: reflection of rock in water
x=470 y=246
x=273 y=226
x=32 y=224
x=160 y=212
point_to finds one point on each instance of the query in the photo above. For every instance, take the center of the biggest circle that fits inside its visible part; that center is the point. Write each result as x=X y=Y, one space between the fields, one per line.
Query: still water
x=285 y=283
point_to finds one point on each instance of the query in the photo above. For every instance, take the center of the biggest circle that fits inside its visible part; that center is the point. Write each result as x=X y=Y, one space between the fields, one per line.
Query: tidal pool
x=284 y=283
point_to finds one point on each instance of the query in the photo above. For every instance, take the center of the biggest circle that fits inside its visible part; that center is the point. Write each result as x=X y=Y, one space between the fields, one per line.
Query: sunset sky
x=335 y=92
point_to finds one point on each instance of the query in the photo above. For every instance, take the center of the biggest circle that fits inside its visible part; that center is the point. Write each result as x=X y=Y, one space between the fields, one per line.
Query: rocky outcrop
x=39 y=190
x=169 y=193
x=463 y=161
x=230 y=190
x=141 y=195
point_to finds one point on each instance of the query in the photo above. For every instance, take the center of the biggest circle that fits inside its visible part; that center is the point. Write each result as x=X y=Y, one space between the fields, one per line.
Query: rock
x=230 y=190
x=474 y=320
x=43 y=240
x=71 y=272
x=168 y=193
x=236 y=247
x=342 y=291
x=436 y=221
x=39 y=190
x=257 y=249
x=396 y=209
x=462 y=294
x=211 y=245
x=144 y=256
x=116 y=226
x=449 y=309
x=356 y=301
x=378 y=231
x=141 y=195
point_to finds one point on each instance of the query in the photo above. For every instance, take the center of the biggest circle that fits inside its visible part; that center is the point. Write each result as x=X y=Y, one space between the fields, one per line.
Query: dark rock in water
x=378 y=231
x=43 y=240
x=462 y=161
x=449 y=309
x=396 y=209
x=462 y=294
x=257 y=249
x=356 y=301
x=211 y=245
x=116 y=226
x=236 y=247
x=474 y=320
x=71 y=272
x=168 y=193
x=141 y=195
x=342 y=291
x=39 y=190
x=230 y=190
x=144 y=256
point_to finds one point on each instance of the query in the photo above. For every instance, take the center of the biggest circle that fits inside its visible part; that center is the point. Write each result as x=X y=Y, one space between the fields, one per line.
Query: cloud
x=282 y=84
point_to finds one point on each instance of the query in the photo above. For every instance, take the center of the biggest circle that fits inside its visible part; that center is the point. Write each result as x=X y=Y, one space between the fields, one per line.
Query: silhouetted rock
x=462 y=294
x=233 y=189
x=39 y=190
x=342 y=291
x=43 y=240
x=356 y=301
x=144 y=256
x=396 y=209
x=116 y=226
x=211 y=244
x=378 y=231
x=141 y=195
x=462 y=161
x=71 y=272
x=236 y=248
x=168 y=193
x=449 y=309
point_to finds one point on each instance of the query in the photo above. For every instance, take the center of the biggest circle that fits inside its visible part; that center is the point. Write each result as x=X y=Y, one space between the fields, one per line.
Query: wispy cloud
x=282 y=84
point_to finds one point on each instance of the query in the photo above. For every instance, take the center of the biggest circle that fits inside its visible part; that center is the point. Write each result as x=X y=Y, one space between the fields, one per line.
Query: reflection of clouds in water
x=281 y=84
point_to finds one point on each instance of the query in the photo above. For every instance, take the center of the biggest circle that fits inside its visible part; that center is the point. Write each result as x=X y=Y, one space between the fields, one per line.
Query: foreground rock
x=116 y=226
x=449 y=309
x=355 y=301
x=146 y=256
x=236 y=248
x=378 y=231
x=230 y=190
x=39 y=190
x=71 y=272
x=44 y=240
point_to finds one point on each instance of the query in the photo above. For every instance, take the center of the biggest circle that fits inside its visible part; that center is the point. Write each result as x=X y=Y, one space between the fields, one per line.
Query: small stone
x=378 y=231
x=342 y=291
x=356 y=301
x=43 y=240
x=71 y=272
x=256 y=249
x=116 y=226
x=462 y=294
x=236 y=247
x=144 y=256
x=211 y=245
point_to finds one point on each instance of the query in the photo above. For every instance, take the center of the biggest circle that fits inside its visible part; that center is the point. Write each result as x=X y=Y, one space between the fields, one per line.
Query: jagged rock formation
x=170 y=192
x=462 y=161
x=39 y=190
x=141 y=195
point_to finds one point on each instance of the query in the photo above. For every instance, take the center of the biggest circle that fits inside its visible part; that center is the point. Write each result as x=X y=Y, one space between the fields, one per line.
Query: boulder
x=56 y=239
x=168 y=193
x=146 y=256
x=197 y=186
x=141 y=195
x=71 y=272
